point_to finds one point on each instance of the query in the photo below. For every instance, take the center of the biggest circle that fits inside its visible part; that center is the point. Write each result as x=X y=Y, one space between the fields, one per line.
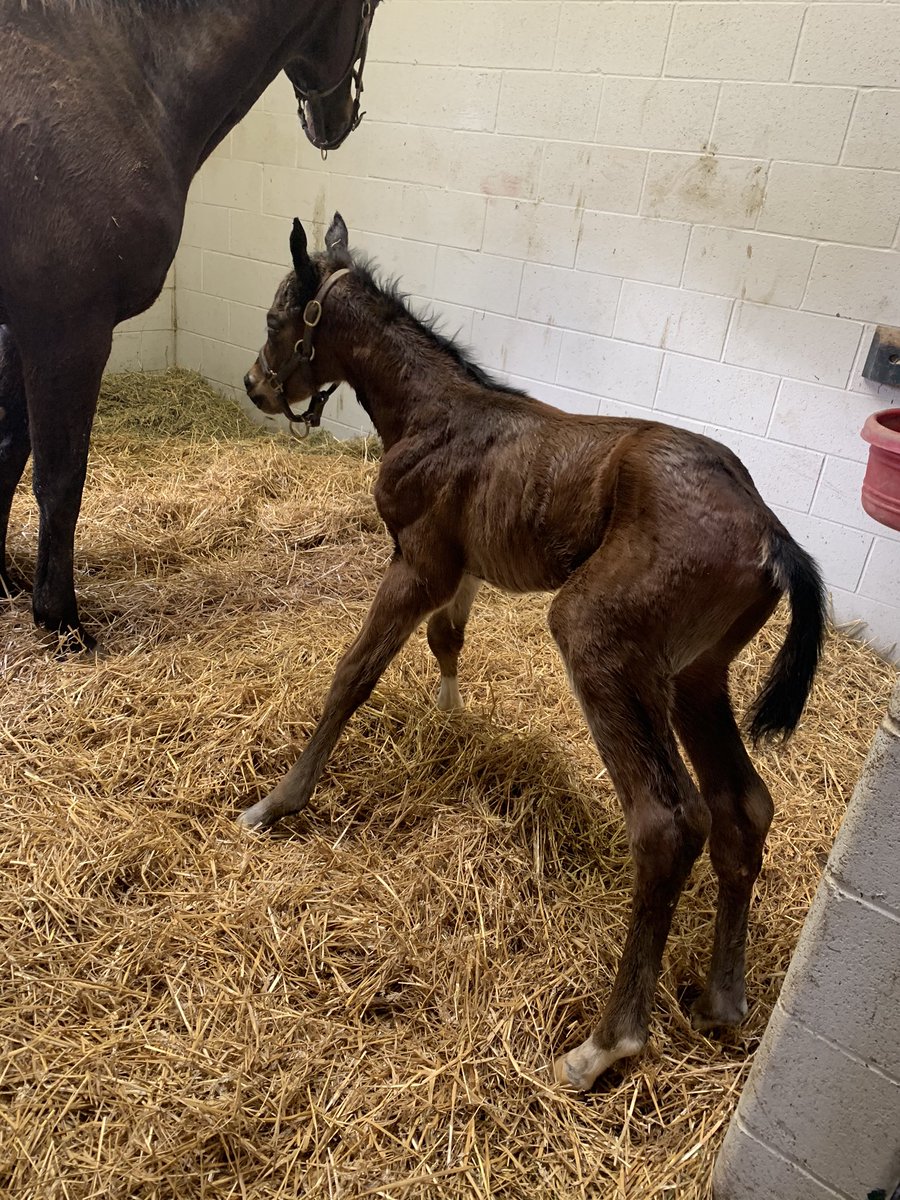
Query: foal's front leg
x=403 y=600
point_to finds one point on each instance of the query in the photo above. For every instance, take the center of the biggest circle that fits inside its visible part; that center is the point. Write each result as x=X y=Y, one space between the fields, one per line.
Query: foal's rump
x=690 y=561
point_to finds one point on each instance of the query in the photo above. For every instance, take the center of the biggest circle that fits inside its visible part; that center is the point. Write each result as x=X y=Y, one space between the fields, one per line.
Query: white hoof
x=449 y=698
x=254 y=819
x=561 y=1074
x=578 y=1069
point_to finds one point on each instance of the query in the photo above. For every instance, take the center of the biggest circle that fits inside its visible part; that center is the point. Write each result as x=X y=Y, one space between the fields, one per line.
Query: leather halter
x=302 y=357
x=308 y=99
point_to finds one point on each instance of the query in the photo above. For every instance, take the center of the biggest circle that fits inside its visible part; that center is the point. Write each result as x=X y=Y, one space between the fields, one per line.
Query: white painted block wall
x=819 y=1116
x=682 y=209
x=147 y=341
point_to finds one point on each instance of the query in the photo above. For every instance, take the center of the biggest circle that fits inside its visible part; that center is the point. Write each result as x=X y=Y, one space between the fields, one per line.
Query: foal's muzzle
x=260 y=392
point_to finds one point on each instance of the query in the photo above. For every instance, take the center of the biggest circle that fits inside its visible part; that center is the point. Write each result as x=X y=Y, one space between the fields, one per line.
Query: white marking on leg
x=257 y=817
x=580 y=1067
x=449 y=697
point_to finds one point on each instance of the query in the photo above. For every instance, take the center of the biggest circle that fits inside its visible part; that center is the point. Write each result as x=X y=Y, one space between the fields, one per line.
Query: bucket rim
x=877 y=433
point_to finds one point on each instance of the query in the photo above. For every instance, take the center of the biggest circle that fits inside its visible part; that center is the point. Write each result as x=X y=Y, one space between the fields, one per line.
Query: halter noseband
x=307 y=99
x=304 y=353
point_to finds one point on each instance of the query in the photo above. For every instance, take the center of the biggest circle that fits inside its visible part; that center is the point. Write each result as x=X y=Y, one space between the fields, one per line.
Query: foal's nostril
x=248 y=383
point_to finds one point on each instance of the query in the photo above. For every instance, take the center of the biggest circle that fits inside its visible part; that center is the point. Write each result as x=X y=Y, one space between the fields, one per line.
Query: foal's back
x=532 y=492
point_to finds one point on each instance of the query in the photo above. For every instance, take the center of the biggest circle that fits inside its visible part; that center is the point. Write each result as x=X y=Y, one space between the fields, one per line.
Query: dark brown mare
x=107 y=110
x=665 y=561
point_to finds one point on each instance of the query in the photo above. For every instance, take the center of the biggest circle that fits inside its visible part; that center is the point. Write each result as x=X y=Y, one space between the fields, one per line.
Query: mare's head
x=327 y=75
x=295 y=362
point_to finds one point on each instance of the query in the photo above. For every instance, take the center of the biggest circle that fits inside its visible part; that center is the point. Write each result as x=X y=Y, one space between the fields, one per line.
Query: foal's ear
x=337 y=241
x=298 y=246
x=307 y=278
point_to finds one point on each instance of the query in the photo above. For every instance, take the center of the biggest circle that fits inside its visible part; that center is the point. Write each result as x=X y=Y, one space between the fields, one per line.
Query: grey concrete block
x=820 y=1114
x=748 y=1169
x=866 y=855
x=834 y=1116
x=844 y=979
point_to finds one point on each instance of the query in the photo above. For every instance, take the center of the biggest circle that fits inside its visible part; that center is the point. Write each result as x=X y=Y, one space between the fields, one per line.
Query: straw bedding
x=365 y=1002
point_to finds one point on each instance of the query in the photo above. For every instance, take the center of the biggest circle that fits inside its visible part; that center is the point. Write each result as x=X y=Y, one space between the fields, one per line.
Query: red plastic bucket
x=881 y=486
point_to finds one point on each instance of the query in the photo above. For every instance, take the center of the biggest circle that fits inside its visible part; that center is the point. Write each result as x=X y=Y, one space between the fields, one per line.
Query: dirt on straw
x=366 y=1001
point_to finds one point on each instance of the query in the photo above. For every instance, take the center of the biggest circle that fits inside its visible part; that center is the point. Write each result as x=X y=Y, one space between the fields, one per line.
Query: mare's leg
x=446 y=633
x=626 y=700
x=15 y=444
x=741 y=809
x=402 y=601
x=62 y=379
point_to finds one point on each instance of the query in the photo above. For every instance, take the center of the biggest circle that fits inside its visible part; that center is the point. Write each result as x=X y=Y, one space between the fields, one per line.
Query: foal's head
x=288 y=371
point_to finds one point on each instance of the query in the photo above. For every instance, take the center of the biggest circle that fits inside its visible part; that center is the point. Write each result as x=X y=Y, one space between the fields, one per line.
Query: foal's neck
x=403 y=375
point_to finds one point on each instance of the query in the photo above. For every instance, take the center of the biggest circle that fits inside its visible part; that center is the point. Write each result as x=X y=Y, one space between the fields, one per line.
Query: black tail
x=777 y=708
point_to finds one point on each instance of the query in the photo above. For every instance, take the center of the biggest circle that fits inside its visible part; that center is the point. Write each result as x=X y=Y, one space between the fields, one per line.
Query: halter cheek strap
x=302 y=357
x=307 y=100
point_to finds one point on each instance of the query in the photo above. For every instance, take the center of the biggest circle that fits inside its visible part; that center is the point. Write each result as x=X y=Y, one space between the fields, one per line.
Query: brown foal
x=665 y=562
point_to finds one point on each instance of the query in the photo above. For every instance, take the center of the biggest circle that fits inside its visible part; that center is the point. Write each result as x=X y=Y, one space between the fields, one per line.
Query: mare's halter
x=308 y=100
x=304 y=353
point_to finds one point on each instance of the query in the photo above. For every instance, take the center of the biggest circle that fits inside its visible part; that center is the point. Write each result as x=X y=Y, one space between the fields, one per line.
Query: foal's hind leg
x=741 y=809
x=62 y=380
x=626 y=704
x=15 y=444
x=446 y=633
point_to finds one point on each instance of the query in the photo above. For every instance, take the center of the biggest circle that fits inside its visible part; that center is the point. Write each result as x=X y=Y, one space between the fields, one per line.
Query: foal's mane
x=392 y=307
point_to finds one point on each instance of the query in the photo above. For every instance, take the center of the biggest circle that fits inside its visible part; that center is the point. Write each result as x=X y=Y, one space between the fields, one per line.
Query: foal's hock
x=665 y=561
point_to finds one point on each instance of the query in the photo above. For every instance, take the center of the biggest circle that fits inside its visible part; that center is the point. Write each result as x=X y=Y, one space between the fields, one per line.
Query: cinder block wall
x=147 y=342
x=819 y=1118
x=681 y=209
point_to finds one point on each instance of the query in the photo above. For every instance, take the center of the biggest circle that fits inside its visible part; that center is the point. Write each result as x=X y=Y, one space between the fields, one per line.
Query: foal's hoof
x=449 y=699
x=716 y=1011
x=255 y=819
x=567 y=1077
x=577 y=1070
